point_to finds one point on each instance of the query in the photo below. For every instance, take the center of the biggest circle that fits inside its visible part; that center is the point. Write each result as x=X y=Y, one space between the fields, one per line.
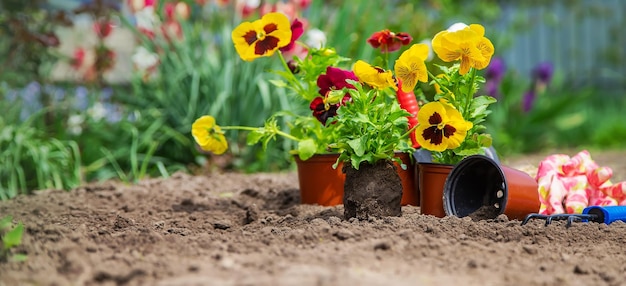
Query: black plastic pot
x=481 y=188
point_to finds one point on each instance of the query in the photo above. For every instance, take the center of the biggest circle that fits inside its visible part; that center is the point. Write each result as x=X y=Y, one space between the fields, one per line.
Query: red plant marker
x=408 y=102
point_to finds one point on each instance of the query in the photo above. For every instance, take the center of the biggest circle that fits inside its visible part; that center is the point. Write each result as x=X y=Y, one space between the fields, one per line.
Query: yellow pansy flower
x=410 y=67
x=484 y=45
x=467 y=45
x=209 y=135
x=441 y=127
x=374 y=76
x=262 y=37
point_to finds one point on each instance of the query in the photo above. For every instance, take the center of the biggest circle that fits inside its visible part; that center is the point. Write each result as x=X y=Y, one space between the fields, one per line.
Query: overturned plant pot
x=481 y=188
x=372 y=191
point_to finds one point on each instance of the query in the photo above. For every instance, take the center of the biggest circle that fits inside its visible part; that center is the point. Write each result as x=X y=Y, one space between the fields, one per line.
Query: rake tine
x=581 y=217
x=556 y=217
x=571 y=219
x=531 y=216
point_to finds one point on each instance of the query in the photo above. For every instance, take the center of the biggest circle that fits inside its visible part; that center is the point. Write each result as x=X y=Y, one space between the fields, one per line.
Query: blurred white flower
x=74 y=124
x=251 y=3
x=457 y=26
x=315 y=38
x=97 y=112
x=147 y=19
x=144 y=59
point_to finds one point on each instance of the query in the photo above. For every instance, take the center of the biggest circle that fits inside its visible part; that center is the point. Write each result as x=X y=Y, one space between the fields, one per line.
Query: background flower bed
x=146 y=128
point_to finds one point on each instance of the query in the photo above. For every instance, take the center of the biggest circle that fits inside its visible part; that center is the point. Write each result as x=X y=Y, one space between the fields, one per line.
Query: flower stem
x=437 y=81
x=408 y=133
x=261 y=129
x=297 y=85
x=470 y=94
x=386 y=58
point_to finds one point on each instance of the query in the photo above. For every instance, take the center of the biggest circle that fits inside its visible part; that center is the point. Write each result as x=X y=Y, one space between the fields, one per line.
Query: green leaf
x=5 y=222
x=254 y=137
x=469 y=151
x=485 y=140
x=357 y=145
x=306 y=148
x=278 y=83
x=356 y=162
x=18 y=257
x=480 y=104
x=13 y=237
x=362 y=118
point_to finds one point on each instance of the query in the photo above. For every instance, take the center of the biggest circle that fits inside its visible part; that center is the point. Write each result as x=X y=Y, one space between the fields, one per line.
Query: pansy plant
x=451 y=127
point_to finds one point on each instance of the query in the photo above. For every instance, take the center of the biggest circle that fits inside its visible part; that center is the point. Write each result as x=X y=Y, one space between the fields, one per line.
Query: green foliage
x=133 y=159
x=421 y=19
x=371 y=127
x=557 y=115
x=30 y=160
x=11 y=237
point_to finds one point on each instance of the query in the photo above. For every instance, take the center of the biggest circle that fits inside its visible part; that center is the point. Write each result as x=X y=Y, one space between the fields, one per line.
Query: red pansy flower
x=389 y=41
x=335 y=78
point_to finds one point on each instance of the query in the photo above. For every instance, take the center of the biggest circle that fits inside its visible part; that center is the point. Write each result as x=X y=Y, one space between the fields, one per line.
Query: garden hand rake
x=597 y=214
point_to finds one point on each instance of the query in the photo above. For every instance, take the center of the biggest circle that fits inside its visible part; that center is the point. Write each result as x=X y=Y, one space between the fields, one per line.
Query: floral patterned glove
x=568 y=185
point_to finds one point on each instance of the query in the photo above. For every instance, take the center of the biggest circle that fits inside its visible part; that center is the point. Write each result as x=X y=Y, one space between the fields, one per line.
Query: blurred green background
x=104 y=89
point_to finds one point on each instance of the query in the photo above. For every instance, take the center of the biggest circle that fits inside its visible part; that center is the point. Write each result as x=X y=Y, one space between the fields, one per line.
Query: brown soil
x=372 y=190
x=234 y=229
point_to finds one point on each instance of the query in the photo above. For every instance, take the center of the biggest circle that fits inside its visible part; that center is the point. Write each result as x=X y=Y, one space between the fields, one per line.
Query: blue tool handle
x=607 y=214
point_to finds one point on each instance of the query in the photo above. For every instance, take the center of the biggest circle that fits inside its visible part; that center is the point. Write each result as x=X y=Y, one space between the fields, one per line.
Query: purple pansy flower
x=496 y=69
x=493 y=76
x=542 y=73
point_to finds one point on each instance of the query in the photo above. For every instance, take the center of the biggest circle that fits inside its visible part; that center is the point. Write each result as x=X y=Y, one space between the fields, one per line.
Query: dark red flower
x=296 y=32
x=335 y=78
x=323 y=111
x=293 y=66
x=389 y=41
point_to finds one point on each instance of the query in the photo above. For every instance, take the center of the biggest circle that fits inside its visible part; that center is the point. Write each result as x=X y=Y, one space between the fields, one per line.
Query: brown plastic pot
x=432 y=179
x=479 y=187
x=321 y=184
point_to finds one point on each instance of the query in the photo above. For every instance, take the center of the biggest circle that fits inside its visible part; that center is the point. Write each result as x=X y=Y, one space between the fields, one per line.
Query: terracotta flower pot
x=432 y=179
x=481 y=188
x=321 y=184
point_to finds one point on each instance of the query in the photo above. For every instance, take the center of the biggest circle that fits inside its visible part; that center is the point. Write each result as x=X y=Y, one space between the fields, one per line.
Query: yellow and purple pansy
x=262 y=37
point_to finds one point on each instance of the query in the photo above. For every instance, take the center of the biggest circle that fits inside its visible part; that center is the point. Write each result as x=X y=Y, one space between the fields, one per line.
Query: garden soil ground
x=235 y=229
